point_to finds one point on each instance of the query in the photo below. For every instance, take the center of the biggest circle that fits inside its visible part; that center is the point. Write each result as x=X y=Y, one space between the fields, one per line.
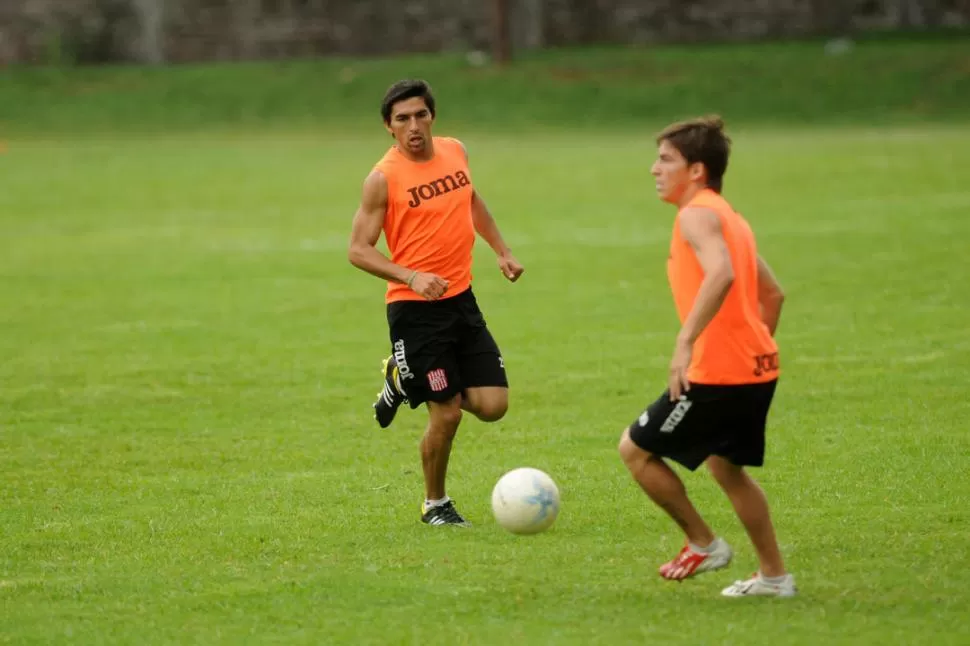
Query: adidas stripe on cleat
x=445 y=514
x=390 y=398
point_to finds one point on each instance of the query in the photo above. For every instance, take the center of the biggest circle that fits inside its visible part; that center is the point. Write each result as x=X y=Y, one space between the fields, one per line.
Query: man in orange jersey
x=420 y=194
x=724 y=367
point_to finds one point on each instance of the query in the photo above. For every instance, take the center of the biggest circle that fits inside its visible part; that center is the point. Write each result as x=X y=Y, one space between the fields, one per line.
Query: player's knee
x=491 y=414
x=451 y=417
x=492 y=410
x=447 y=417
x=487 y=404
x=630 y=453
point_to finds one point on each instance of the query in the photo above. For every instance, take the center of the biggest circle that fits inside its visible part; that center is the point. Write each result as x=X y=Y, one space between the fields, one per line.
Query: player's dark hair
x=404 y=90
x=701 y=140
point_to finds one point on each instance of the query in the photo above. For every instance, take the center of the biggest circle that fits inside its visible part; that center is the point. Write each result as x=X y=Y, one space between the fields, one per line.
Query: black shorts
x=727 y=421
x=443 y=347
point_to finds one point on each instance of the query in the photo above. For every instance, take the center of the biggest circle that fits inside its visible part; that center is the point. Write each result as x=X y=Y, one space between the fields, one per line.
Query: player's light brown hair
x=701 y=140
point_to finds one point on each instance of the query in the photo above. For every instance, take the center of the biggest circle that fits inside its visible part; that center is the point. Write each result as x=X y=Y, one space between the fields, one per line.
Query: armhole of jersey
x=459 y=147
x=382 y=166
x=717 y=213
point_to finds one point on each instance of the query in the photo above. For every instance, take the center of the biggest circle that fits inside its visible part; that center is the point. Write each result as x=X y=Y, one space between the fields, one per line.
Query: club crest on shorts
x=437 y=380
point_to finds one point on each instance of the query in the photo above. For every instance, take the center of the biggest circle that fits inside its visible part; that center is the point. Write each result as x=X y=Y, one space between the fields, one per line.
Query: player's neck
x=689 y=194
x=426 y=155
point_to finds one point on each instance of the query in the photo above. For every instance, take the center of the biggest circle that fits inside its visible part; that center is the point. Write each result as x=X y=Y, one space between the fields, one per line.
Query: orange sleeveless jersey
x=736 y=346
x=428 y=224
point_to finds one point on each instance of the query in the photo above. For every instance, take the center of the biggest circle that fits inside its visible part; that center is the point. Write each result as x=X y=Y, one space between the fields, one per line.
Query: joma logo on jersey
x=765 y=363
x=445 y=184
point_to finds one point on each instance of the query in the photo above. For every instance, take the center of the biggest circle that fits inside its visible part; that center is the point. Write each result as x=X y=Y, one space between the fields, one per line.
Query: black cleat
x=389 y=399
x=445 y=514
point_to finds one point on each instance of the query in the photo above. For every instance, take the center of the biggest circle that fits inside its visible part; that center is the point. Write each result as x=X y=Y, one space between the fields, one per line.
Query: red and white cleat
x=689 y=563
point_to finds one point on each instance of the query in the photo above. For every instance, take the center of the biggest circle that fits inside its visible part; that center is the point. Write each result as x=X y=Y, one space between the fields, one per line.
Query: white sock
x=703 y=550
x=774 y=580
x=428 y=504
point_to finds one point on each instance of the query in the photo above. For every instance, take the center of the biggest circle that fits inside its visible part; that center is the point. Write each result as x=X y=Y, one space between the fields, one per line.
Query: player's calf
x=751 y=507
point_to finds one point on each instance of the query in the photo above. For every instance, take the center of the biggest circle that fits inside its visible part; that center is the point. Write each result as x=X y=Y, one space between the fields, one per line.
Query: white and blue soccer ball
x=525 y=501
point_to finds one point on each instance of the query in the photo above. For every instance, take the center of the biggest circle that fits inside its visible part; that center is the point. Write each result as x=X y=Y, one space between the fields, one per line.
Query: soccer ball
x=525 y=501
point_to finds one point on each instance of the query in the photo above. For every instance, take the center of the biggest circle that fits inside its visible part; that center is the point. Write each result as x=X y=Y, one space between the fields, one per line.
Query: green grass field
x=879 y=81
x=187 y=364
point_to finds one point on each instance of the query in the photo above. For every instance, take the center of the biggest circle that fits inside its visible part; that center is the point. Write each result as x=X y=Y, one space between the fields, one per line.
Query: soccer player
x=724 y=368
x=421 y=195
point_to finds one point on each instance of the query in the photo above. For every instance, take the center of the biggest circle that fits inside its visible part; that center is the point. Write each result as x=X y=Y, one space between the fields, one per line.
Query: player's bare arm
x=487 y=228
x=770 y=296
x=702 y=230
x=366 y=231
